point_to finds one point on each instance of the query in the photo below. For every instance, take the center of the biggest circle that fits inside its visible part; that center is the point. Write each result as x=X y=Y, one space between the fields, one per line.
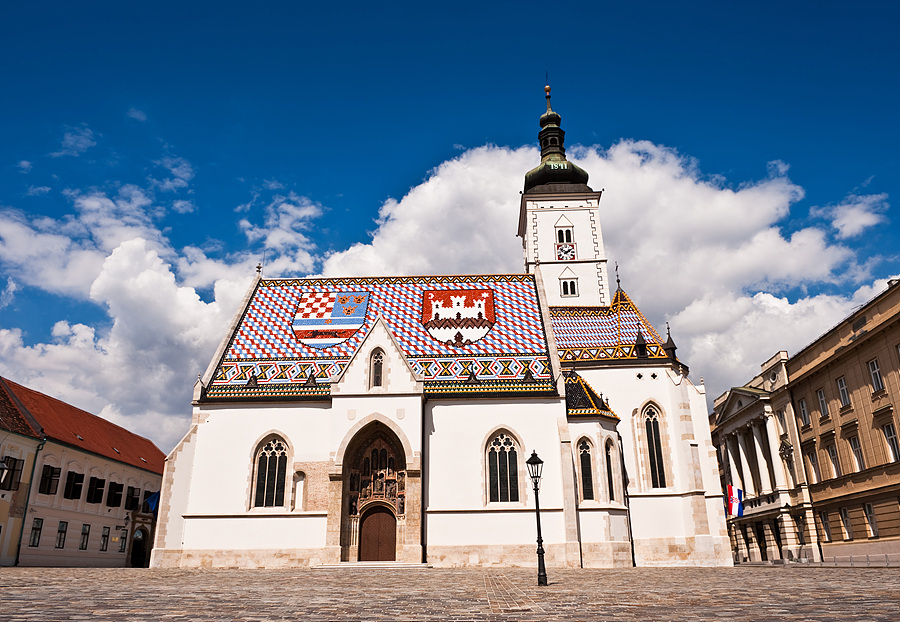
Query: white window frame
x=875 y=375
x=843 y=392
x=823 y=403
x=847 y=525
x=826 y=526
x=835 y=462
x=804 y=413
x=890 y=437
x=856 y=449
x=814 y=465
x=871 y=520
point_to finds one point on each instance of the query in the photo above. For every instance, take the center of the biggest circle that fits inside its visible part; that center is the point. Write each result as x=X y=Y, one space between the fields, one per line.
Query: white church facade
x=389 y=418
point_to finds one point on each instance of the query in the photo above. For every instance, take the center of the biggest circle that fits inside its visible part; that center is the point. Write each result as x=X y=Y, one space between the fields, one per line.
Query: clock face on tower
x=565 y=252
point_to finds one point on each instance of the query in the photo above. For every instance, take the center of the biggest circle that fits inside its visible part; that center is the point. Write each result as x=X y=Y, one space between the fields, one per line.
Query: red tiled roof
x=11 y=419
x=78 y=428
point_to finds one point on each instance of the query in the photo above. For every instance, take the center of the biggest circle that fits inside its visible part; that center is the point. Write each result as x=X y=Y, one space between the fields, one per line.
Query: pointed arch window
x=610 y=452
x=271 y=469
x=377 y=368
x=587 y=470
x=654 y=449
x=503 y=469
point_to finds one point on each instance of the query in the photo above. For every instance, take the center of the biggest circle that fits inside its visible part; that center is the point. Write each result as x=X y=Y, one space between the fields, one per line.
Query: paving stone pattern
x=754 y=593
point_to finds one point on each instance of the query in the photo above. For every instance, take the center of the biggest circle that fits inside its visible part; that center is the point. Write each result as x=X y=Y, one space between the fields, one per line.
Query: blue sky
x=152 y=155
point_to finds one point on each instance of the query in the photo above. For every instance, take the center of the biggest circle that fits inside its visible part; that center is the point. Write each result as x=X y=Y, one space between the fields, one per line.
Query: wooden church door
x=378 y=536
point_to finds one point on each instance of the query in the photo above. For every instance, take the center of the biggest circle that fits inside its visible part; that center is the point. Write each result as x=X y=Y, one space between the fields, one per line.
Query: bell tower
x=559 y=223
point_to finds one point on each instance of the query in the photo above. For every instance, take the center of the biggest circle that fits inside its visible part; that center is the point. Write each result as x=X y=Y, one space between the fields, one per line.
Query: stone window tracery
x=377 y=374
x=587 y=478
x=654 y=449
x=503 y=469
x=609 y=471
x=271 y=470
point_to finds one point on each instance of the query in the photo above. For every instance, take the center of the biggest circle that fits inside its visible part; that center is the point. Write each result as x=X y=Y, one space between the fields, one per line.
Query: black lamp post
x=535 y=465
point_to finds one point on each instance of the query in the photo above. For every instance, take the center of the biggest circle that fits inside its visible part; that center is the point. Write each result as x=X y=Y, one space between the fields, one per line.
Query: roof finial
x=668 y=331
x=259 y=268
x=547 y=91
x=618 y=283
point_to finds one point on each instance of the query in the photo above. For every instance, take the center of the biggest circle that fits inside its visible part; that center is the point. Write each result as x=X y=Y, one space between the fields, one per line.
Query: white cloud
x=181 y=173
x=855 y=214
x=35 y=191
x=8 y=293
x=272 y=184
x=183 y=207
x=75 y=142
x=136 y=114
x=24 y=166
x=712 y=259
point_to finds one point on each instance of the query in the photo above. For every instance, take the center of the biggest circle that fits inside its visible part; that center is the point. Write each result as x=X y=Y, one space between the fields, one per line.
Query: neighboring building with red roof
x=75 y=486
x=390 y=418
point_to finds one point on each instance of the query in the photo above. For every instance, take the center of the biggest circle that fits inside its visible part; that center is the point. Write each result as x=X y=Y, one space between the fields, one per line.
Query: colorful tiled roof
x=77 y=428
x=448 y=327
x=582 y=400
x=604 y=333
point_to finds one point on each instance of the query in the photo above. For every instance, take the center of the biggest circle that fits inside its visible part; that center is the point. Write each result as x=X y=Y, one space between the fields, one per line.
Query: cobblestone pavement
x=754 y=593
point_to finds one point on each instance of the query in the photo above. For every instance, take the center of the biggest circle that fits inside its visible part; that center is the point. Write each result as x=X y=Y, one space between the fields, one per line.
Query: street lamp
x=535 y=466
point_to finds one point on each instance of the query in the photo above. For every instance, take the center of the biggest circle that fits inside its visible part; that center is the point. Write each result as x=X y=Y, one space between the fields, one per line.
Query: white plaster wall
x=227 y=438
x=674 y=394
x=257 y=532
x=455 y=475
x=403 y=414
x=486 y=528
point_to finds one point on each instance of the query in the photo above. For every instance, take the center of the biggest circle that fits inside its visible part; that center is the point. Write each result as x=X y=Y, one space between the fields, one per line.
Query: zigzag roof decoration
x=448 y=327
x=604 y=333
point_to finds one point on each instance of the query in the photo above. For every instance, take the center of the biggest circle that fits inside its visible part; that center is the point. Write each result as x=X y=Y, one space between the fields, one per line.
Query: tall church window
x=654 y=449
x=377 y=368
x=271 y=469
x=609 y=471
x=503 y=469
x=587 y=475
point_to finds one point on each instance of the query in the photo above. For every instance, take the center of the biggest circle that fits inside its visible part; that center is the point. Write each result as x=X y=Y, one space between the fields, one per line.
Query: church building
x=361 y=419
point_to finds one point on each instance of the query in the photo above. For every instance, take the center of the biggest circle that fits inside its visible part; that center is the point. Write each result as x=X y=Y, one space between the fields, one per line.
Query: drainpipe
x=28 y=497
x=625 y=496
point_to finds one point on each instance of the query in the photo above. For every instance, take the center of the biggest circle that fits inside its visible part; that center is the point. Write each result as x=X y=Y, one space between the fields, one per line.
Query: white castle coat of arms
x=458 y=317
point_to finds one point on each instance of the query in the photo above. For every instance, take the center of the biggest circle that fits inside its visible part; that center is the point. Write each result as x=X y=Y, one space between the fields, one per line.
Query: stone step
x=384 y=565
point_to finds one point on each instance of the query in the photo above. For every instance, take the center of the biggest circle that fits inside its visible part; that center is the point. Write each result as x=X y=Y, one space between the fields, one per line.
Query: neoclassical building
x=389 y=418
x=812 y=442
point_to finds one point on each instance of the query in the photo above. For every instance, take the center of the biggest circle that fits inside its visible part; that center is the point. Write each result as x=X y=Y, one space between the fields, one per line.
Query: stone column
x=749 y=488
x=774 y=446
x=765 y=482
x=732 y=461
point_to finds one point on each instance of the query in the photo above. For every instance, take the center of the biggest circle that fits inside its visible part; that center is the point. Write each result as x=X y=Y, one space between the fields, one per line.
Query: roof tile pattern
x=604 y=333
x=266 y=359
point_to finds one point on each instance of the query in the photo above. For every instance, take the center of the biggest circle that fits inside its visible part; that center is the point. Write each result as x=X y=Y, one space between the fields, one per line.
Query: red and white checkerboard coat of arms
x=458 y=317
x=326 y=319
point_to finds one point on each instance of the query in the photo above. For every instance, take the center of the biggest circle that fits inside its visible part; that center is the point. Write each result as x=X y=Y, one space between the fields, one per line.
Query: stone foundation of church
x=243 y=558
x=689 y=551
x=606 y=555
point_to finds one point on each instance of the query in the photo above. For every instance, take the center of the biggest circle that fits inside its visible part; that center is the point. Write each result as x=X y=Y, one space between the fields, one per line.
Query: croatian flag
x=734 y=504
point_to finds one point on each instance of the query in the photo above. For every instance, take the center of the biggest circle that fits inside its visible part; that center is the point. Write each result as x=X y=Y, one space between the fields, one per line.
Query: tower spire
x=555 y=174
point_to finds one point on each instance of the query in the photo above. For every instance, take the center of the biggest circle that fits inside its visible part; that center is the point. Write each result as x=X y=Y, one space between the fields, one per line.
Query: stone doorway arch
x=375 y=466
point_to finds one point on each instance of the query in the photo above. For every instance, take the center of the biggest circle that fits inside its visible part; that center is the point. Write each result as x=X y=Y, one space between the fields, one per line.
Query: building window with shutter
x=49 y=480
